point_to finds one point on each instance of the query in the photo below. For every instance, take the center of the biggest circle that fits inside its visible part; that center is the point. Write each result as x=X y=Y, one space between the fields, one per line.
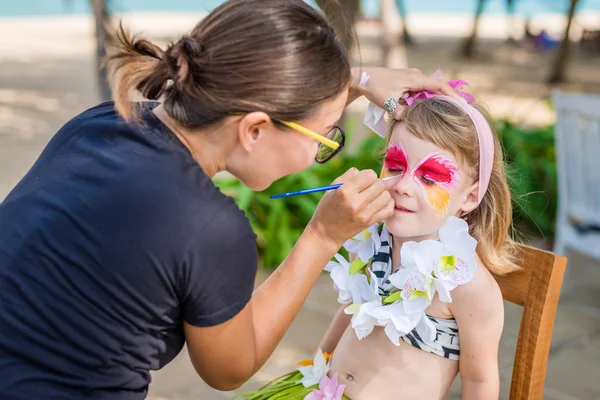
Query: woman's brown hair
x=276 y=56
x=447 y=126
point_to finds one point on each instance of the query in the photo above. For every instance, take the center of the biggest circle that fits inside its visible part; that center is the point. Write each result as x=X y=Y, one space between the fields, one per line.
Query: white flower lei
x=427 y=267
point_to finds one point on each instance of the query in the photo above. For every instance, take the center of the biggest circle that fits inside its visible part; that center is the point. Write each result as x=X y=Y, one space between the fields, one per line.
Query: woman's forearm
x=277 y=301
x=356 y=89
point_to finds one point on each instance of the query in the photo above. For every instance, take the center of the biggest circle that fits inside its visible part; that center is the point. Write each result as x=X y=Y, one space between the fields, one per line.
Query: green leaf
x=357 y=266
x=392 y=298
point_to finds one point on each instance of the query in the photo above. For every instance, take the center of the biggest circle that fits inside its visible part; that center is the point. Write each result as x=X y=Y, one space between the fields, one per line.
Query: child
x=419 y=299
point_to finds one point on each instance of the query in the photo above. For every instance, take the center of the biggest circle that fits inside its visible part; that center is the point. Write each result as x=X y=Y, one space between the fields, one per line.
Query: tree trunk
x=342 y=20
x=510 y=10
x=102 y=19
x=562 y=57
x=407 y=39
x=393 y=49
x=468 y=48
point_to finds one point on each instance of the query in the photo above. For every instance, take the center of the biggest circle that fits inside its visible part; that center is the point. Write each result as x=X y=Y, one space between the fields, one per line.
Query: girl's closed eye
x=428 y=180
x=395 y=166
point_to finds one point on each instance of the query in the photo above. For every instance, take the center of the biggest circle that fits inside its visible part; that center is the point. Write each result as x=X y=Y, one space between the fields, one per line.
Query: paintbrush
x=317 y=189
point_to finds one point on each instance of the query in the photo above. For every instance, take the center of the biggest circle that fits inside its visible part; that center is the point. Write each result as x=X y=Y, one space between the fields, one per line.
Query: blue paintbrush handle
x=306 y=191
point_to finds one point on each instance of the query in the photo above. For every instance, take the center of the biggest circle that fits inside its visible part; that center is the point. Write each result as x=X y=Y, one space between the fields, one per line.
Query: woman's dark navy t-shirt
x=113 y=239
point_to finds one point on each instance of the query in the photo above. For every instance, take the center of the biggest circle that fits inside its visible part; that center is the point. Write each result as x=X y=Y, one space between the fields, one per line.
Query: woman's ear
x=252 y=129
x=471 y=200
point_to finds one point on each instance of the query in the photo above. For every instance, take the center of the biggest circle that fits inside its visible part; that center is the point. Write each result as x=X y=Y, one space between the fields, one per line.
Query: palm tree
x=468 y=47
x=510 y=9
x=102 y=22
x=406 y=37
x=562 y=56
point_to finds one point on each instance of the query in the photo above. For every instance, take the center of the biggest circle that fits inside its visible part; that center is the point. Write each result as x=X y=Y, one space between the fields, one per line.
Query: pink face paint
x=395 y=162
x=437 y=176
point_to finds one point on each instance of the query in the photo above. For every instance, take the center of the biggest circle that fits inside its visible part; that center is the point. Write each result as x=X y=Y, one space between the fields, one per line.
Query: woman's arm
x=479 y=312
x=384 y=83
x=227 y=355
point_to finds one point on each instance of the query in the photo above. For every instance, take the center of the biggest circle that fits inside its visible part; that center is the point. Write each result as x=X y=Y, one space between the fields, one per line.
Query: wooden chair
x=537 y=289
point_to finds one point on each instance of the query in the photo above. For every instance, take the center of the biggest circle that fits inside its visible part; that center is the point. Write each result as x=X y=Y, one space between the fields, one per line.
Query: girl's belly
x=373 y=369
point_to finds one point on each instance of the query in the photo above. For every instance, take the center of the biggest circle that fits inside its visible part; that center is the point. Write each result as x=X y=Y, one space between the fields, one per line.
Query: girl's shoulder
x=482 y=292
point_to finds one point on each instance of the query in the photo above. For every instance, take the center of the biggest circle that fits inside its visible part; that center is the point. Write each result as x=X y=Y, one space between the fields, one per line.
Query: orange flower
x=307 y=362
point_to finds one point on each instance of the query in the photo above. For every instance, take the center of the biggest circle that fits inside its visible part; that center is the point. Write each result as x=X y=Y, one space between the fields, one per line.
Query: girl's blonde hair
x=447 y=126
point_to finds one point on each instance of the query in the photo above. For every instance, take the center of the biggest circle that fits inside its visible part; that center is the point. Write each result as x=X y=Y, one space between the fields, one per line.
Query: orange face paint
x=437 y=197
x=437 y=175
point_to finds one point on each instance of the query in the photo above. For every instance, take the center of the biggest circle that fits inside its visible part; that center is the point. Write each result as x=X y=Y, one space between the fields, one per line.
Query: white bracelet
x=363 y=79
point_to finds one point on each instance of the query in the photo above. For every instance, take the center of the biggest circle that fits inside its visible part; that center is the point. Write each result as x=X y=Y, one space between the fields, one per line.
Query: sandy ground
x=47 y=77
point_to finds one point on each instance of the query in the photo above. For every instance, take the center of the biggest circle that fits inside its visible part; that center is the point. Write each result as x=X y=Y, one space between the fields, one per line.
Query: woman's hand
x=360 y=202
x=383 y=83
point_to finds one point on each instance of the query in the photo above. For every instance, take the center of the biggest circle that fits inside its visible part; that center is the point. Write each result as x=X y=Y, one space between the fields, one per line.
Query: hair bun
x=180 y=57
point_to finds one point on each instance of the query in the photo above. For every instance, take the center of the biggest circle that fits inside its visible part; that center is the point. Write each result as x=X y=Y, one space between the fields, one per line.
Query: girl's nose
x=401 y=184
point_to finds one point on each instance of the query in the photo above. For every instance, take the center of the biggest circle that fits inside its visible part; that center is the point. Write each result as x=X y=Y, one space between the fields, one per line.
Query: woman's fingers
x=359 y=182
x=448 y=90
x=420 y=81
x=385 y=206
x=346 y=176
x=368 y=195
x=381 y=207
x=352 y=208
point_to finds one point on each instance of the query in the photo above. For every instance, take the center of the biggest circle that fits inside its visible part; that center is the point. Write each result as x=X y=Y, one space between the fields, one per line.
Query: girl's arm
x=336 y=330
x=479 y=312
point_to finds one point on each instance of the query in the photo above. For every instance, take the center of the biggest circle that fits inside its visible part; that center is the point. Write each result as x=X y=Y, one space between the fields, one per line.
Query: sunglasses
x=329 y=145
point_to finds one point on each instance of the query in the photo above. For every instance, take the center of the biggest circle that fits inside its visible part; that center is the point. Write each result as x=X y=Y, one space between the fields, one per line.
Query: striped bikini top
x=446 y=343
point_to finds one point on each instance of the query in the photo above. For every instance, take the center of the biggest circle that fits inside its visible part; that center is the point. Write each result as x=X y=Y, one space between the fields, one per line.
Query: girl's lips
x=403 y=210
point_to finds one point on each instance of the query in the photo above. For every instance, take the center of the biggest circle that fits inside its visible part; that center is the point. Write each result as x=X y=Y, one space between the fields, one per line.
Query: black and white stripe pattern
x=446 y=342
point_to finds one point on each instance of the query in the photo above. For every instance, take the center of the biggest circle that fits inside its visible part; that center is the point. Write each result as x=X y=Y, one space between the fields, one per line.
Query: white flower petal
x=416 y=306
x=406 y=322
x=339 y=277
x=375 y=121
x=392 y=333
x=426 y=329
x=342 y=260
x=365 y=252
x=362 y=322
x=443 y=290
x=374 y=229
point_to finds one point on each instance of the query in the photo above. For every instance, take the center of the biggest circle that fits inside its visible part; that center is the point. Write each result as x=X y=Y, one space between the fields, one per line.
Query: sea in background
x=20 y=8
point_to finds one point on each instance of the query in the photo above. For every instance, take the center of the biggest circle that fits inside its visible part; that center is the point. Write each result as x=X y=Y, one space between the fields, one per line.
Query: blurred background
x=518 y=55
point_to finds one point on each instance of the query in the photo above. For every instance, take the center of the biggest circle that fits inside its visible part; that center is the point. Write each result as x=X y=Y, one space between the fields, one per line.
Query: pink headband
x=374 y=120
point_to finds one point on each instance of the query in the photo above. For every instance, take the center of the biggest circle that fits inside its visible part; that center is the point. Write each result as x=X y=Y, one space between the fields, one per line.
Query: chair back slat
x=537 y=288
x=578 y=149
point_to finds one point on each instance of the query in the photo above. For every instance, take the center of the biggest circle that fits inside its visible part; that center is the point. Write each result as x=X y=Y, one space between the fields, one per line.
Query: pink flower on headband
x=424 y=94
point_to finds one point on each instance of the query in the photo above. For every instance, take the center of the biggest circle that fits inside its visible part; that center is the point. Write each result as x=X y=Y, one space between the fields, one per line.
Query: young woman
x=116 y=248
